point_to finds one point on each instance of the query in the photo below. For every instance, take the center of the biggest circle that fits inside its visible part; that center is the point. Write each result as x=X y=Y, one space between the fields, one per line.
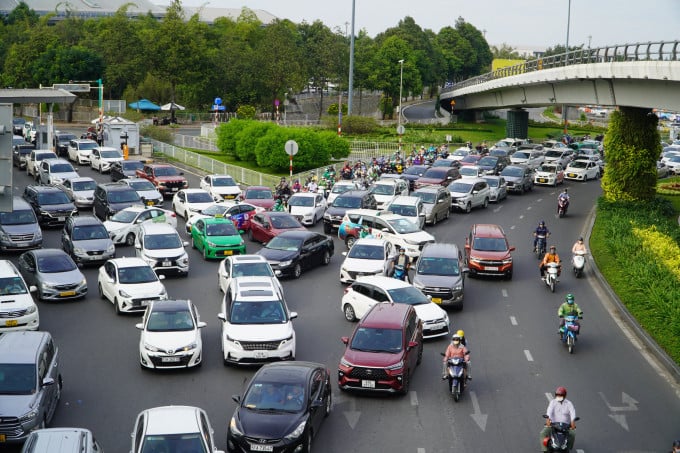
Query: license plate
x=67 y=293
x=572 y=175
x=437 y=300
x=229 y=197
x=169 y=359
x=149 y=203
x=368 y=384
x=174 y=189
x=258 y=447
x=166 y=263
x=542 y=180
x=11 y=322
x=490 y=268
x=22 y=244
x=260 y=355
x=227 y=252
x=61 y=219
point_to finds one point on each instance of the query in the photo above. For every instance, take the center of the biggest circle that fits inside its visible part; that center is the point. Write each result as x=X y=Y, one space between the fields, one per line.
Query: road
x=624 y=402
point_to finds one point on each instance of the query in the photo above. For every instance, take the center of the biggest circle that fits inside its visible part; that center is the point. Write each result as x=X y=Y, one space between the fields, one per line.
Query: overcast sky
x=518 y=23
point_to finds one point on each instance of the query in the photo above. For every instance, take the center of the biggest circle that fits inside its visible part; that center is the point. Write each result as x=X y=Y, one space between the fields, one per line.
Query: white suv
x=129 y=284
x=17 y=309
x=161 y=247
x=469 y=193
x=256 y=324
x=80 y=150
x=386 y=190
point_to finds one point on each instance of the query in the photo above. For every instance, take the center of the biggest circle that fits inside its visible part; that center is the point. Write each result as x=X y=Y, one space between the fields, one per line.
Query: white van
x=410 y=207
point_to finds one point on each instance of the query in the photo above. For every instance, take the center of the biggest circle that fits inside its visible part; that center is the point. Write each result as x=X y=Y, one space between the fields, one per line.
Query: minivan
x=69 y=440
x=440 y=274
x=111 y=197
x=410 y=207
x=19 y=229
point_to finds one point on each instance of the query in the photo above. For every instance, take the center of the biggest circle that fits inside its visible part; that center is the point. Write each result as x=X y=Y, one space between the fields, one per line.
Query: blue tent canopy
x=145 y=104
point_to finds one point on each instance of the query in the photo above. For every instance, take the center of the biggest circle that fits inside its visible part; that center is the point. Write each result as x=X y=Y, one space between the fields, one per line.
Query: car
x=560 y=156
x=471 y=171
x=339 y=187
x=550 y=174
x=20 y=153
x=103 y=157
x=261 y=196
x=17 y=309
x=244 y=266
x=469 y=193
x=442 y=162
x=257 y=326
x=61 y=141
x=470 y=159
x=367 y=291
x=662 y=170
x=441 y=176
x=125 y=169
x=221 y=187
x=291 y=252
x=307 y=207
x=161 y=247
x=383 y=351
x=186 y=201
x=436 y=201
x=111 y=197
x=169 y=429
x=171 y=335
x=581 y=170
x=33 y=161
x=283 y=407
x=18 y=126
x=519 y=178
x=673 y=165
x=55 y=171
x=145 y=189
x=86 y=240
x=238 y=211
x=266 y=225
x=669 y=153
x=531 y=158
x=130 y=284
x=80 y=190
x=80 y=150
x=386 y=190
x=493 y=165
x=459 y=154
x=70 y=440
x=412 y=173
x=123 y=226
x=50 y=204
x=352 y=199
x=19 y=228
x=487 y=251
x=54 y=273
x=217 y=237
x=498 y=188
x=368 y=256
x=410 y=207
x=440 y=274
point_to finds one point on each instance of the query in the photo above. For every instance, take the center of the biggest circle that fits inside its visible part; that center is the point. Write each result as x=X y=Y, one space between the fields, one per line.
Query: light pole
x=351 y=66
x=566 y=48
x=566 y=58
x=401 y=85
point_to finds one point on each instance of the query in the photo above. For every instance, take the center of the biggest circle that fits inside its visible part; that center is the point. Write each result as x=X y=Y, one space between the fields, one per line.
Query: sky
x=522 y=24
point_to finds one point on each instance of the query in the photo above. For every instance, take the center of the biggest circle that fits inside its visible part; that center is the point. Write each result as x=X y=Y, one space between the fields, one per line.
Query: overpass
x=630 y=75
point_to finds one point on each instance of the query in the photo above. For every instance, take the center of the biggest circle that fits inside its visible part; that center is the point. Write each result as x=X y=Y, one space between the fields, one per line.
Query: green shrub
x=359 y=125
x=162 y=134
x=246 y=112
x=333 y=110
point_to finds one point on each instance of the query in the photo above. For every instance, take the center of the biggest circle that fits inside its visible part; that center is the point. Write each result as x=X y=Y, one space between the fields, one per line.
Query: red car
x=441 y=176
x=266 y=225
x=470 y=159
x=261 y=196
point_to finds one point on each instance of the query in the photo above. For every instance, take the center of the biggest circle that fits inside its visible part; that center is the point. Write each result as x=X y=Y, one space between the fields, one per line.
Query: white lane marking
x=512 y=227
x=521 y=216
x=504 y=292
x=421 y=450
x=527 y=354
x=513 y=320
x=497 y=209
x=414 y=398
x=528 y=208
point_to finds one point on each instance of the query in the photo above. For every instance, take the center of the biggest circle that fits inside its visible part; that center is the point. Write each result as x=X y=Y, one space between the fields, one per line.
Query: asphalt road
x=625 y=404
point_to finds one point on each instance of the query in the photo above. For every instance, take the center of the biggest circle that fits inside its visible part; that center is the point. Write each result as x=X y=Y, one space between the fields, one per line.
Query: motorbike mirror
x=442 y=354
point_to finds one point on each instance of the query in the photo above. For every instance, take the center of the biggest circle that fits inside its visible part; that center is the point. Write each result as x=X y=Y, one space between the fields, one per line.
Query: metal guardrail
x=651 y=51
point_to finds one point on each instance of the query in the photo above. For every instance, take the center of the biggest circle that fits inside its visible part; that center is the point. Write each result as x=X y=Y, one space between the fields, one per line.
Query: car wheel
x=205 y=253
x=101 y=291
x=116 y=306
x=406 y=384
x=486 y=203
x=350 y=315
x=308 y=442
x=468 y=208
x=349 y=241
x=420 y=354
x=130 y=239
x=585 y=177
x=329 y=404
x=448 y=214
x=326 y=258
x=327 y=228
x=193 y=243
x=297 y=270
x=434 y=218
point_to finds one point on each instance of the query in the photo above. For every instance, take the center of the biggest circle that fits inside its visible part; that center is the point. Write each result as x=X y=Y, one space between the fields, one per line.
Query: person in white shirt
x=560 y=410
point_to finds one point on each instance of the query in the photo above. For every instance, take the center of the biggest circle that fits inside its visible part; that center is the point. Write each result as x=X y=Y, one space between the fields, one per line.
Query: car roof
x=386 y=283
x=114 y=186
x=170 y=305
x=47 y=252
x=487 y=230
x=358 y=193
x=83 y=140
x=299 y=234
x=81 y=178
x=370 y=241
x=131 y=261
x=171 y=420
x=468 y=180
x=56 y=160
x=157 y=228
x=440 y=250
x=85 y=220
x=247 y=258
x=7 y=269
x=195 y=190
x=287 y=372
x=258 y=187
x=304 y=195
x=385 y=315
x=430 y=188
x=21 y=346
x=46 y=188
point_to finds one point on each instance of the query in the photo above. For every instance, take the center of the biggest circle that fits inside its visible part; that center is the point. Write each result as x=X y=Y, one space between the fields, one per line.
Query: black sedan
x=291 y=252
x=125 y=169
x=412 y=173
x=282 y=408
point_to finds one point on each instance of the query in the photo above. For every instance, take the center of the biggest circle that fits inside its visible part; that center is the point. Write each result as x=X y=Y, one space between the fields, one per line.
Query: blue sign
x=218 y=101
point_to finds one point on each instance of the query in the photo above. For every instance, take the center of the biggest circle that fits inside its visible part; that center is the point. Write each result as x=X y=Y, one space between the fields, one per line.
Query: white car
x=80 y=190
x=386 y=190
x=161 y=247
x=471 y=171
x=531 y=159
x=221 y=187
x=469 y=193
x=101 y=158
x=582 y=170
x=129 y=284
x=80 y=150
x=550 y=174
x=244 y=266
x=55 y=171
x=368 y=291
x=307 y=207
x=18 y=311
x=674 y=164
x=498 y=188
x=340 y=187
x=239 y=212
x=410 y=207
x=459 y=154
x=256 y=324
x=146 y=190
x=171 y=335
x=558 y=156
x=368 y=256
x=188 y=201
x=123 y=226
x=34 y=158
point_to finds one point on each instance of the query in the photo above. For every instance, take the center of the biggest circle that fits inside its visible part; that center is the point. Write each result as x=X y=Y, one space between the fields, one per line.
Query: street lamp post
x=566 y=58
x=401 y=85
x=350 y=89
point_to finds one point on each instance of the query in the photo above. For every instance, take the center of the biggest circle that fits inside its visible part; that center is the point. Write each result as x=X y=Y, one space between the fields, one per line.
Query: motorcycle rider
x=282 y=188
x=278 y=206
x=297 y=187
x=578 y=246
x=560 y=410
x=456 y=349
x=676 y=447
x=550 y=257
x=312 y=186
x=569 y=308
x=564 y=196
x=541 y=230
x=401 y=260
x=463 y=341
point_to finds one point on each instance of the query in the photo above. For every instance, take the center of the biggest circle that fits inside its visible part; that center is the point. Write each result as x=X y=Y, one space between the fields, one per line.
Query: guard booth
x=118 y=131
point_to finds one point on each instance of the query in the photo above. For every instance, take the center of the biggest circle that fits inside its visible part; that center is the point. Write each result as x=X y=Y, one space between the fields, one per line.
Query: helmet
x=566 y=190
x=569 y=298
x=552 y=247
x=542 y=223
x=561 y=391
x=580 y=239
x=455 y=337
x=460 y=333
x=676 y=444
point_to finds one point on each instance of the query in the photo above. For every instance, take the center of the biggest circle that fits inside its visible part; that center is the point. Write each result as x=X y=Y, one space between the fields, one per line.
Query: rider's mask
x=456 y=342
x=559 y=398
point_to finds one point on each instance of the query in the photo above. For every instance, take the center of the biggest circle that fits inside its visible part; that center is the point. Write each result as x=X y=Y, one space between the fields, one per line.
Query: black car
x=412 y=173
x=282 y=408
x=61 y=141
x=291 y=252
x=18 y=126
x=352 y=199
x=493 y=165
x=51 y=204
x=20 y=154
x=111 y=197
x=125 y=169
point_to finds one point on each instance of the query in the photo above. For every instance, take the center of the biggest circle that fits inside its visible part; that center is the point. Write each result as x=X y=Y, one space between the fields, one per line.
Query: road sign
x=401 y=129
x=291 y=147
x=73 y=87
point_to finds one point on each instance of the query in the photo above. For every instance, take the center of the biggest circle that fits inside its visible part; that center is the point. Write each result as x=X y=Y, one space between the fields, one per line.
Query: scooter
x=578 y=263
x=399 y=272
x=558 y=439
x=455 y=375
x=540 y=247
x=551 y=275
x=562 y=206
x=569 y=332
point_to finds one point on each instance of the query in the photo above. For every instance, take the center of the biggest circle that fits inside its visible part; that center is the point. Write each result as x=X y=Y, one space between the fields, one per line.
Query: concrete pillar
x=517 y=124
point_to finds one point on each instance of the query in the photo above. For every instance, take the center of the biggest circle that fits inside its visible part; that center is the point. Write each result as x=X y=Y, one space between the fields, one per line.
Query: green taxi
x=217 y=237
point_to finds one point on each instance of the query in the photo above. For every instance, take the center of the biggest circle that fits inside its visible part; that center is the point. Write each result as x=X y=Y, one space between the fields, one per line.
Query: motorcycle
x=399 y=272
x=578 y=263
x=558 y=439
x=455 y=375
x=540 y=247
x=551 y=275
x=562 y=205
x=569 y=332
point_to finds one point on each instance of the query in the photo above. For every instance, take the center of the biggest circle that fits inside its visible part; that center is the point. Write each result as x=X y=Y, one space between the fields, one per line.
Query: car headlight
x=396 y=366
x=38 y=235
x=233 y=427
x=149 y=259
x=211 y=244
x=184 y=259
x=233 y=340
x=45 y=285
x=345 y=363
x=189 y=347
x=82 y=283
x=3 y=236
x=150 y=347
x=457 y=288
x=507 y=260
x=297 y=432
x=32 y=309
x=124 y=294
x=285 y=263
x=111 y=248
x=285 y=340
x=474 y=260
x=28 y=416
x=79 y=251
x=163 y=293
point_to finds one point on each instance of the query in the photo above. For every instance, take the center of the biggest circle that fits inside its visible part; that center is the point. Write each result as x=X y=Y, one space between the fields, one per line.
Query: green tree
x=481 y=58
x=61 y=64
x=455 y=52
x=386 y=73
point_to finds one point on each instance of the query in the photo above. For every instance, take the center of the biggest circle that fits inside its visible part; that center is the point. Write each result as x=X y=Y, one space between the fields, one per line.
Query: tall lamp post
x=566 y=58
x=401 y=85
x=351 y=66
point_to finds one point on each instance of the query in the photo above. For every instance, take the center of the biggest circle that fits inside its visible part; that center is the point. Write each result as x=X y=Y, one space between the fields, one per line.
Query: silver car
x=440 y=274
x=53 y=273
x=86 y=239
x=498 y=188
x=437 y=203
x=80 y=190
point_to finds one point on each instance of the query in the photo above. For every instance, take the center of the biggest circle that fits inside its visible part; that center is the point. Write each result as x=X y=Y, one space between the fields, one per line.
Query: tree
x=481 y=62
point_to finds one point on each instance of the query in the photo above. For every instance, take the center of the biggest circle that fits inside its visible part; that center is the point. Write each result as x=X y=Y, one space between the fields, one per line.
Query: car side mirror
x=161 y=277
x=185 y=243
x=236 y=398
x=47 y=381
x=222 y=317
x=345 y=340
x=293 y=315
x=33 y=289
x=512 y=249
x=465 y=270
x=412 y=344
x=201 y=325
x=140 y=326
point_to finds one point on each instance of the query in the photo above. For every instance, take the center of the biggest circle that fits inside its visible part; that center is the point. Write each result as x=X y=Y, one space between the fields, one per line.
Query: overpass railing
x=651 y=51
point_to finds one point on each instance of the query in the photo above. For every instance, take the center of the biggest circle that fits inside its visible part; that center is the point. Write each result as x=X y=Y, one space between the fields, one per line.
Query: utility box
x=118 y=131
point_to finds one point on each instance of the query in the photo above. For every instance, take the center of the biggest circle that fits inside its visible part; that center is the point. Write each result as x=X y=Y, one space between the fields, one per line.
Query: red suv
x=384 y=350
x=487 y=251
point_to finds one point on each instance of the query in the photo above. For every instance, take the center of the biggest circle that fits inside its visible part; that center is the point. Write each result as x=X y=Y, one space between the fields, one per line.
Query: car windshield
x=223 y=182
x=366 y=252
x=553 y=153
x=162 y=241
x=131 y=165
x=347 y=202
x=10 y=286
x=79 y=186
x=87 y=145
x=403 y=226
x=22 y=217
x=199 y=197
x=124 y=216
x=17 y=379
x=274 y=396
x=408 y=295
x=214 y=209
x=469 y=159
x=341 y=188
x=501 y=144
x=490 y=244
x=111 y=155
x=498 y=152
x=512 y=171
x=261 y=269
x=61 y=168
x=469 y=171
x=371 y=339
x=492 y=182
x=142 y=184
x=48 y=198
x=165 y=320
x=301 y=201
x=382 y=189
x=123 y=196
x=259 y=194
x=415 y=170
x=427 y=197
x=89 y=232
x=65 y=138
x=579 y=164
x=192 y=442
x=405 y=210
x=460 y=187
x=166 y=171
x=283 y=222
x=283 y=243
x=520 y=155
x=220 y=229
x=442 y=163
x=436 y=172
x=268 y=312
x=43 y=156
x=675 y=159
x=136 y=274
x=55 y=263
x=461 y=152
x=489 y=161
x=438 y=266
x=548 y=168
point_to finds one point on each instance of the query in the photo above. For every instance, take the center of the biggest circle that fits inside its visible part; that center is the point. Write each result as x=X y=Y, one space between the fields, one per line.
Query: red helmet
x=561 y=391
